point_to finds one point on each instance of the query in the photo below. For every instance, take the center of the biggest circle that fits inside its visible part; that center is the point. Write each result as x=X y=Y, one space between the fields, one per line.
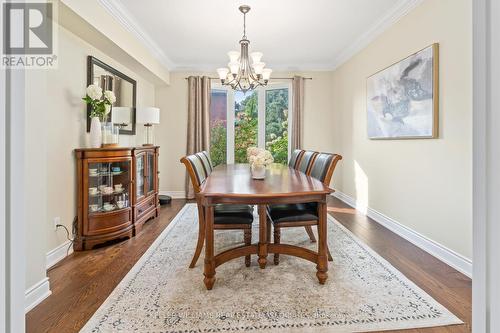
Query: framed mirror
x=124 y=88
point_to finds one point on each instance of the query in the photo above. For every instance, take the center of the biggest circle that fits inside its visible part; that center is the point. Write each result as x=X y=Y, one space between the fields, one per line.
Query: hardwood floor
x=81 y=282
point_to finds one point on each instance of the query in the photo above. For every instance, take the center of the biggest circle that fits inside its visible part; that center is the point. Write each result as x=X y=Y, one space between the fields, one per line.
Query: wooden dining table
x=233 y=184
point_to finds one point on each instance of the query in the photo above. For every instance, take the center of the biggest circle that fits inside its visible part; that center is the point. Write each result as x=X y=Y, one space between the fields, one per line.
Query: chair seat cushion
x=293 y=212
x=233 y=214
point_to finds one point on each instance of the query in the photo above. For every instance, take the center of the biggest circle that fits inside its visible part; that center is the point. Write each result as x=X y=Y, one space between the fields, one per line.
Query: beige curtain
x=297 y=111
x=198 y=131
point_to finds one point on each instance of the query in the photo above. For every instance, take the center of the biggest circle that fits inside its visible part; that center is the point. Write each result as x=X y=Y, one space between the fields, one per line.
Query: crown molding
x=123 y=16
x=401 y=9
x=398 y=11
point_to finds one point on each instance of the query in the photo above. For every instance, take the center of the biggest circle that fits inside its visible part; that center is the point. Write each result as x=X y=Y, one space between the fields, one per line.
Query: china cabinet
x=117 y=193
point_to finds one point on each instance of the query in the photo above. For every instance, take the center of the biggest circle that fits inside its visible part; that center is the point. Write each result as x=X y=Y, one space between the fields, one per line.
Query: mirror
x=124 y=88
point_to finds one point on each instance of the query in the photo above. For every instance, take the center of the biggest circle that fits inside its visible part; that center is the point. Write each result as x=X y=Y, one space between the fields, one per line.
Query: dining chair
x=306 y=161
x=295 y=158
x=226 y=217
x=303 y=214
x=304 y=164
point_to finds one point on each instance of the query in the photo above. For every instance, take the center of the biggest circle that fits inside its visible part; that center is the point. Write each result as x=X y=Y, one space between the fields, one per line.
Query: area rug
x=363 y=291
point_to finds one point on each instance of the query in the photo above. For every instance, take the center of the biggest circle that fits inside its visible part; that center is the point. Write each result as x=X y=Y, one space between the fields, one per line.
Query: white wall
x=423 y=184
x=171 y=133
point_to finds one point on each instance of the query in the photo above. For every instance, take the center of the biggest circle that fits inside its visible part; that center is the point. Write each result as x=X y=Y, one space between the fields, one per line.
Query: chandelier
x=240 y=74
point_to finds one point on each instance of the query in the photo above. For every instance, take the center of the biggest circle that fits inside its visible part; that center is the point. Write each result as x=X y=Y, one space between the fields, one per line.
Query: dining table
x=233 y=184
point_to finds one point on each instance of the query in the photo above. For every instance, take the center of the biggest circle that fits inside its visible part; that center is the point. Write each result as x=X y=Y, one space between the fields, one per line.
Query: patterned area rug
x=363 y=291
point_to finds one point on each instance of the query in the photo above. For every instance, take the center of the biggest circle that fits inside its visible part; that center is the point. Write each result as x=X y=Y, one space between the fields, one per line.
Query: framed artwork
x=403 y=99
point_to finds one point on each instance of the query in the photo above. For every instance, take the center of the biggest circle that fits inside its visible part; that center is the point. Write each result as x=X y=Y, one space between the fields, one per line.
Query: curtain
x=297 y=112
x=198 y=131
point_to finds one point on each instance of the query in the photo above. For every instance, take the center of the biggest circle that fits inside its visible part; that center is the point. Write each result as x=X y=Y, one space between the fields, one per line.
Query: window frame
x=261 y=115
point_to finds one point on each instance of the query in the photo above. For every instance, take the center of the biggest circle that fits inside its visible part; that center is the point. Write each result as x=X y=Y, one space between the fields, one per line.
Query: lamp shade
x=148 y=115
x=121 y=115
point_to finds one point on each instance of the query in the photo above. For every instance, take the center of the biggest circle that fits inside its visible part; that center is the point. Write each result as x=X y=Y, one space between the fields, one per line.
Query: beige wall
x=56 y=126
x=424 y=184
x=171 y=133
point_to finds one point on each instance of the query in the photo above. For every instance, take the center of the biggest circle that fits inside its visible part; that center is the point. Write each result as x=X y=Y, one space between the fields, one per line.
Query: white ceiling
x=292 y=34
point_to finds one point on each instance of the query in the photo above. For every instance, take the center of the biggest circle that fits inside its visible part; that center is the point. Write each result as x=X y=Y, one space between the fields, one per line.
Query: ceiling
x=292 y=34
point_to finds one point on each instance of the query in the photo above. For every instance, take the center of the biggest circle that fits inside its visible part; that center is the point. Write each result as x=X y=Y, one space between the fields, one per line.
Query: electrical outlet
x=57 y=220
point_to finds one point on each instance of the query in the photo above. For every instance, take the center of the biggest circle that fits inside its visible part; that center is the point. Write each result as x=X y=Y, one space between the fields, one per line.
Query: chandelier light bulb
x=256 y=56
x=234 y=67
x=258 y=67
x=266 y=73
x=222 y=73
x=233 y=56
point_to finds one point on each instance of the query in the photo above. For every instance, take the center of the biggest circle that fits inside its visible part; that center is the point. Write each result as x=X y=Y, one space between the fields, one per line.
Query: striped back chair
x=323 y=167
x=196 y=170
x=295 y=158
x=306 y=161
x=207 y=161
x=232 y=217
x=319 y=166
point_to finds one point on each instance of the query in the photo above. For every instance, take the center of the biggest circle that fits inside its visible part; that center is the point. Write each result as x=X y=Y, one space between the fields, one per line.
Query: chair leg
x=268 y=231
x=247 y=235
x=277 y=236
x=329 y=254
x=201 y=239
x=310 y=233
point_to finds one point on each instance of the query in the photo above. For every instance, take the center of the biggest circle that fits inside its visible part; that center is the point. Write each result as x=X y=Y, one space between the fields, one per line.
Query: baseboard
x=446 y=255
x=174 y=194
x=58 y=254
x=36 y=294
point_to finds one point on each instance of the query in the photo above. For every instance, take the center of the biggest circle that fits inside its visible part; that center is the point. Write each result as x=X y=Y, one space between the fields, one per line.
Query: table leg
x=209 y=268
x=262 y=236
x=322 y=266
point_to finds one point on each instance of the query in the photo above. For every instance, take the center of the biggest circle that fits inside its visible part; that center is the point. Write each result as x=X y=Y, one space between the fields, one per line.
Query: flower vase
x=95 y=133
x=258 y=171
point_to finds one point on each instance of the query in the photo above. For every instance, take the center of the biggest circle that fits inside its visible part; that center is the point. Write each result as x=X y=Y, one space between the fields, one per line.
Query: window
x=258 y=118
x=277 y=124
x=218 y=126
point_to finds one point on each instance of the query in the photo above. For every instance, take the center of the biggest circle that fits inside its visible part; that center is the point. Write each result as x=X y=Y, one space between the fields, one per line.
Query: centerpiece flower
x=259 y=158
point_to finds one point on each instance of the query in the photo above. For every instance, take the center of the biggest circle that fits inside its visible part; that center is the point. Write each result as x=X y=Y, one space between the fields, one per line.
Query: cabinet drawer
x=145 y=207
x=109 y=222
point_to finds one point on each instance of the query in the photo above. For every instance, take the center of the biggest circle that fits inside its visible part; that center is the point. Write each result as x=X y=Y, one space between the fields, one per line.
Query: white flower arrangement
x=100 y=102
x=258 y=157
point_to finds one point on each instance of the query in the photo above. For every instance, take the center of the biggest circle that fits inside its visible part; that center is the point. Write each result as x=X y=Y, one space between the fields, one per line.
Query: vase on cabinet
x=95 y=133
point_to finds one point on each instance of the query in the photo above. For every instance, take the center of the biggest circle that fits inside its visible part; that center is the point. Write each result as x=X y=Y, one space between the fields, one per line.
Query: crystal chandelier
x=241 y=75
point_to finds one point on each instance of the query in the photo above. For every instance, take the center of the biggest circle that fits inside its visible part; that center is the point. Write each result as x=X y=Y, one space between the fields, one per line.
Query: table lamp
x=120 y=116
x=148 y=116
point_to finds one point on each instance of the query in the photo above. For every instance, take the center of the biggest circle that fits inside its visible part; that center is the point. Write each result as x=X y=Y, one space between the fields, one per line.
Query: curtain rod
x=273 y=78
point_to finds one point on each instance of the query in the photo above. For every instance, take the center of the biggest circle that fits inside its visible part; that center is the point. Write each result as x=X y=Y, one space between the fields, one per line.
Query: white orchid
x=110 y=96
x=94 y=91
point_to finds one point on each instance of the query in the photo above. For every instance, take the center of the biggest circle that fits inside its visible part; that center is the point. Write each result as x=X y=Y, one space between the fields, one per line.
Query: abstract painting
x=402 y=99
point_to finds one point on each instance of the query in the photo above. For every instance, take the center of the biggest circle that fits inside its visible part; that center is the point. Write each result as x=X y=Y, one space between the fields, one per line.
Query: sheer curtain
x=297 y=112
x=198 y=131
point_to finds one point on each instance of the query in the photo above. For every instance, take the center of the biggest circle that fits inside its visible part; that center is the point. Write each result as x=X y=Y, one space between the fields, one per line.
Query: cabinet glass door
x=140 y=172
x=108 y=186
x=150 y=174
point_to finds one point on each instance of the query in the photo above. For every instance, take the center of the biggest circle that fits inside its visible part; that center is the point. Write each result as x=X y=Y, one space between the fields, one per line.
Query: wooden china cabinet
x=117 y=193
